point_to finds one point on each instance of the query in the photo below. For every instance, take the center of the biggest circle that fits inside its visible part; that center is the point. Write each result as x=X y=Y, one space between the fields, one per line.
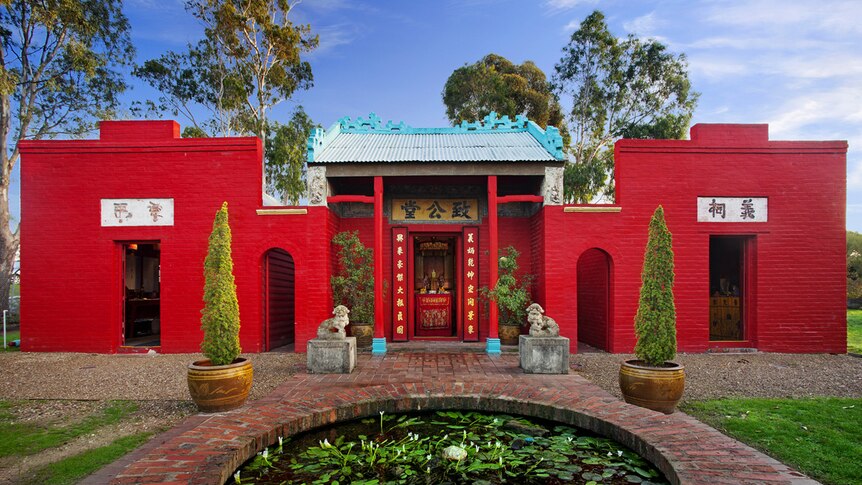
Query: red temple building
x=114 y=233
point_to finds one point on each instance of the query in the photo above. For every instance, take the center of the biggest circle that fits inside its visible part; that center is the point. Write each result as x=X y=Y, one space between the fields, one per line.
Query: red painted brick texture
x=798 y=263
x=72 y=288
x=72 y=294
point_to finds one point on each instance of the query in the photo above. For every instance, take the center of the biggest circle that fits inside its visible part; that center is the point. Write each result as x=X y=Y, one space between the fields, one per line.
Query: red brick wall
x=799 y=289
x=72 y=293
x=72 y=290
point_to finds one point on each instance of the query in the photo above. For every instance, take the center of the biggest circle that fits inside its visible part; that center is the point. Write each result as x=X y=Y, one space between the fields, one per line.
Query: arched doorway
x=279 y=304
x=594 y=298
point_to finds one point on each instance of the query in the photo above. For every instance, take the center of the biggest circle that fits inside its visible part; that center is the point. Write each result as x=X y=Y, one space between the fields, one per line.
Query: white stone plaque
x=137 y=212
x=732 y=209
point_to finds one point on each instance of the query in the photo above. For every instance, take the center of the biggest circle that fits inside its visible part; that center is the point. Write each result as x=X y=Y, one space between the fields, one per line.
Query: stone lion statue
x=540 y=325
x=333 y=328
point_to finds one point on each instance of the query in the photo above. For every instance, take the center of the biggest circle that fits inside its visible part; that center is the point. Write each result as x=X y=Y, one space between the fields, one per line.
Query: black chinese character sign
x=436 y=210
x=732 y=209
x=137 y=212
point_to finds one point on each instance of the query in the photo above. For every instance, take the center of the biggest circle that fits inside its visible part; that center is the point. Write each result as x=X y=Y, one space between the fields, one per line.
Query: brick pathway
x=206 y=449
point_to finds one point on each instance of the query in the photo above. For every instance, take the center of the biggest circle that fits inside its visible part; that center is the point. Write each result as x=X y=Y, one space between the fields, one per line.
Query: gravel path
x=135 y=377
x=712 y=376
x=163 y=376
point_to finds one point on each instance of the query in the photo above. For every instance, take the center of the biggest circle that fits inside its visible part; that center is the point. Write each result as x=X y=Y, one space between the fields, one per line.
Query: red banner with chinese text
x=471 y=284
x=399 y=284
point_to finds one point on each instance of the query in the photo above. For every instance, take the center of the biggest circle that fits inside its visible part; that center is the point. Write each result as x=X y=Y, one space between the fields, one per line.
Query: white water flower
x=381 y=413
x=265 y=453
x=610 y=454
x=501 y=461
x=477 y=448
x=326 y=443
x=428 y=470
x=280 y=440
x=570 y=439
x=427 y=457
x=445 y=436
x=236 y=477
x=619 y=452
x=497 y=444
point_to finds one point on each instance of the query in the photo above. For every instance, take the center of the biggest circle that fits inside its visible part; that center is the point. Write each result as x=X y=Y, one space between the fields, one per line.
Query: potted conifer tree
x=353 y=285
x=652 y=380
x=512 y=296
x=220 y=382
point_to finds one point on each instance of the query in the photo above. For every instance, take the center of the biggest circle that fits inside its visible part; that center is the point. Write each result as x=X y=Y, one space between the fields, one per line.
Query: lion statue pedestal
x=332 y=352
x=543 y=351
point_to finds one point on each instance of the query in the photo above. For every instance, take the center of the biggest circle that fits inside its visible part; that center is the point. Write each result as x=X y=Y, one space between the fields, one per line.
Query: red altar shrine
x=758 y=236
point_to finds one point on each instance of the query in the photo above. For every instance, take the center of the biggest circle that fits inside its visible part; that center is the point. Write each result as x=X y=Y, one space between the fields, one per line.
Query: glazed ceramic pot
x=509 y=334
x=364 y=333
x=656 y=388
x=217 y=388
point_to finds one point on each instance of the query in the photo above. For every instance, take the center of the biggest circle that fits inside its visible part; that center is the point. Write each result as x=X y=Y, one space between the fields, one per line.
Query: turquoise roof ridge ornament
x=549 y=138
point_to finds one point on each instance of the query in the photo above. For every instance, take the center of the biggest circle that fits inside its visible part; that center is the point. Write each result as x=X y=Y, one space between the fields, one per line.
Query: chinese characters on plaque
x=399 y=285
x=732 y=209
x=436 y=210
x=471 y=284
x=137 y=212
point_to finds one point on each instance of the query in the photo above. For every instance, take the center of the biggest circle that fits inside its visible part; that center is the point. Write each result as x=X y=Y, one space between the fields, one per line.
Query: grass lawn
x=854 y=331
x=18 y=439
x=815 y=436
x=10 y=336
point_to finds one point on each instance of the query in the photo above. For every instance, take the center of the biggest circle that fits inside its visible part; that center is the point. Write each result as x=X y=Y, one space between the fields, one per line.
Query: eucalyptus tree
x=494 y=83
x=58 y=75
x=616 y=88
x=251 y=58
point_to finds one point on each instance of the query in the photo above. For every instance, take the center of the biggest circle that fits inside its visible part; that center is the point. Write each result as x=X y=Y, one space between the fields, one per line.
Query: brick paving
x=206 y=449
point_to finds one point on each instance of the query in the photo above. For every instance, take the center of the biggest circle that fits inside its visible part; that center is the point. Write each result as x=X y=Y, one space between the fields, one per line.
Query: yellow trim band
x=593 y=209
x=281 y=212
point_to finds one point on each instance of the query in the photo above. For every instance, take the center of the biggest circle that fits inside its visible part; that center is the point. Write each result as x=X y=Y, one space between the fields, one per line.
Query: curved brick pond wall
x=206 y=449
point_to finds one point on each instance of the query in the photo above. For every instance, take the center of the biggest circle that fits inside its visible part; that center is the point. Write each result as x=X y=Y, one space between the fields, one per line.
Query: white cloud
x=825 y=16
x=332 y=36
x=712 y=67
x=840 y=106
x=643 y=26
x=554 y=6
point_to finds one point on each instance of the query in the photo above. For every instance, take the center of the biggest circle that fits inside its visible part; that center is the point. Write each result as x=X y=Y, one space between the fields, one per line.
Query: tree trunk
x=8 y=249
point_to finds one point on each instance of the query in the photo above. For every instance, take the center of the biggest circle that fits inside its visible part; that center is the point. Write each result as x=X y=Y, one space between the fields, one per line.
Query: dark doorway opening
x=141 y=295
x=727 y=288
x=436 y=288
x=279 y=279
x=594 y=298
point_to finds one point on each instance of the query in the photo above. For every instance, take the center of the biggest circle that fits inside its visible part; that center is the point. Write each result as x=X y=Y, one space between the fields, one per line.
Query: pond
x=447 y=447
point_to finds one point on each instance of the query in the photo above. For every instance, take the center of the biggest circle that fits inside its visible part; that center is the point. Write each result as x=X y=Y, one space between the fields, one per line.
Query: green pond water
x=447 y=447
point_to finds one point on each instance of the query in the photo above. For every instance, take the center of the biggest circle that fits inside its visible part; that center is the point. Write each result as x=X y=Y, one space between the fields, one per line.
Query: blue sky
x=795 y=64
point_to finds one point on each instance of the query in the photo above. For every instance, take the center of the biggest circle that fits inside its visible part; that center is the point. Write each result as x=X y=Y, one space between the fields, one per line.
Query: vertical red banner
x=399 y=284
x=471 y=284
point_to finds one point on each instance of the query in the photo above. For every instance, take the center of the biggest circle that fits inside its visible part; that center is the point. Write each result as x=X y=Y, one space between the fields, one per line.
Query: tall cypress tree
x=220 y=315
x=655 y=322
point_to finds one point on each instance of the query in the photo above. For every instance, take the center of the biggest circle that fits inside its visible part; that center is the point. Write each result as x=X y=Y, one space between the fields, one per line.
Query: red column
x=378 y=258
x=493 y=259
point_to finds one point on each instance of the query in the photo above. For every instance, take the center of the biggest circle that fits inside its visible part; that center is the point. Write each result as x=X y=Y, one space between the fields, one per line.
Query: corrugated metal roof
x=433 y=147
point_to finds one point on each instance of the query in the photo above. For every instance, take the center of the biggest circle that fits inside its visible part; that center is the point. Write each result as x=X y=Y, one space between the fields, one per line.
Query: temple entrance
x=727 y=288
x=435 y=286
x=141 y=295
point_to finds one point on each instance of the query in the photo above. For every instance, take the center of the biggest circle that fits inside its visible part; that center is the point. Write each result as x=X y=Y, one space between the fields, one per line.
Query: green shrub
x=220 y=315
x=655 y=322
x=353 y=283
x=512 y=296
